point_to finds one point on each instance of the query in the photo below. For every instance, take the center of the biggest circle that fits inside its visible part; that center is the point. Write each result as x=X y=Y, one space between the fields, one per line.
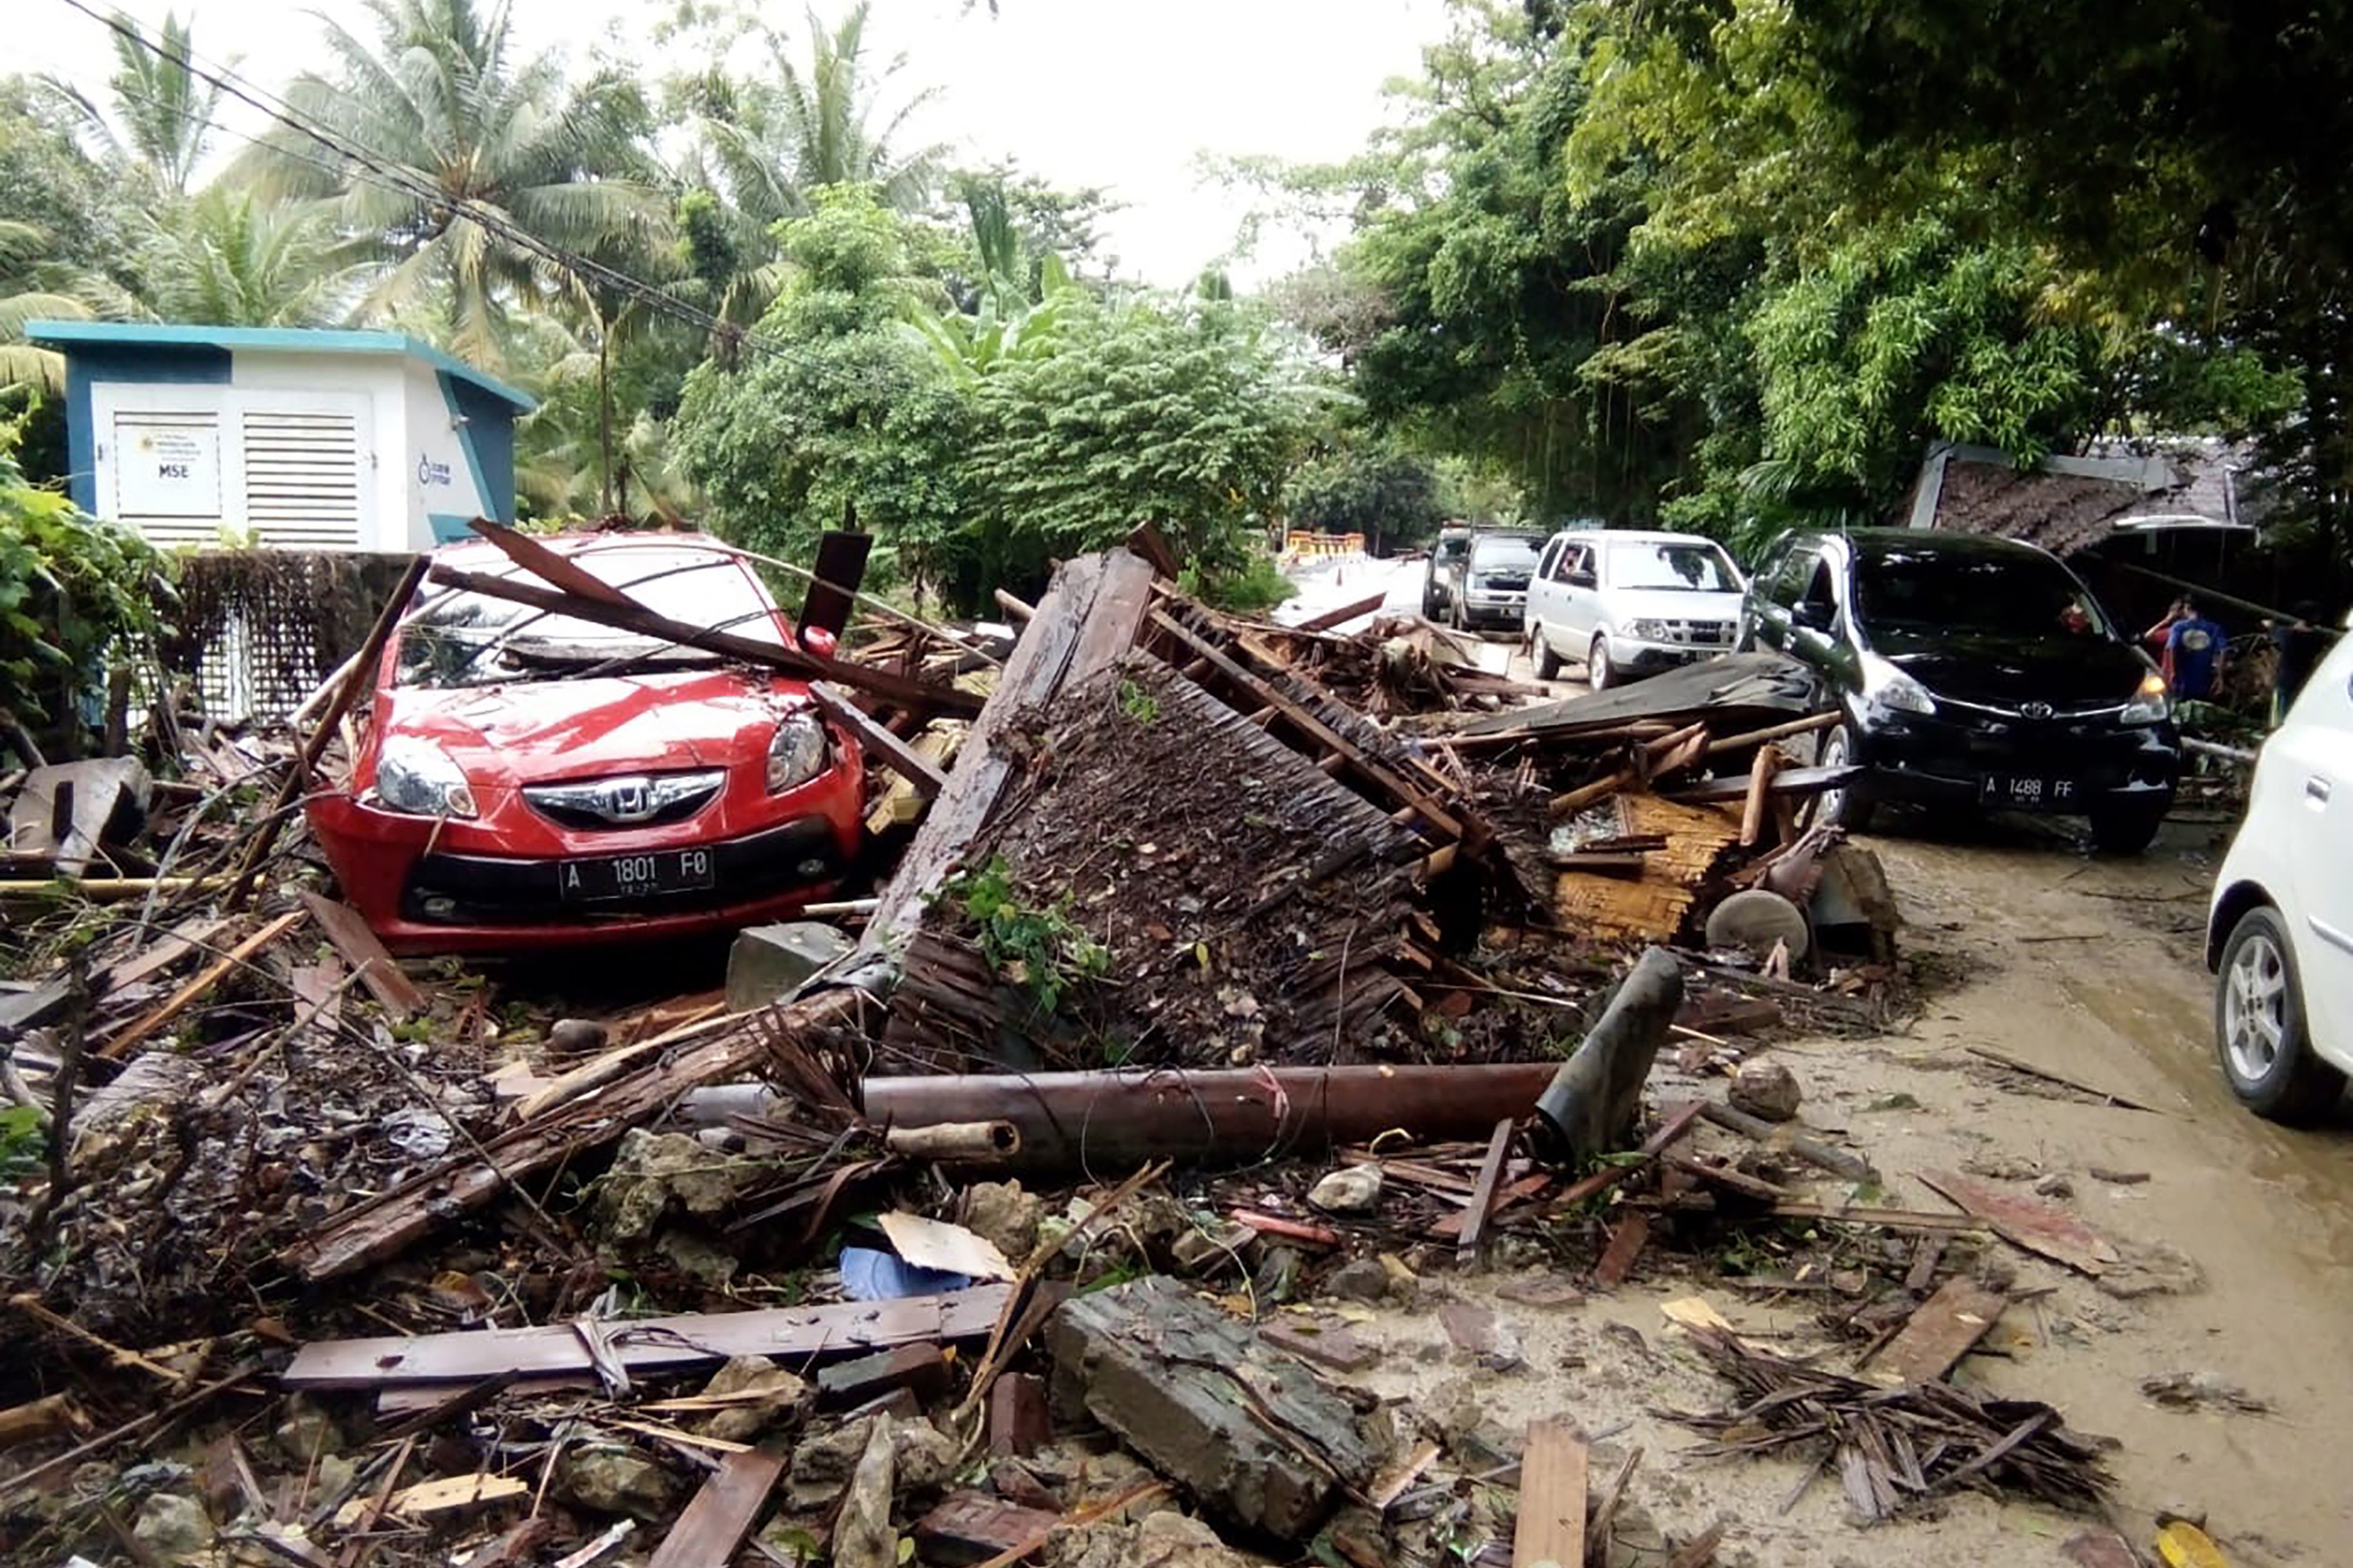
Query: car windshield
x=1503 y=554
x=1697 y=565
x=1452 y=549
x=473 y=639
x=2002 y=593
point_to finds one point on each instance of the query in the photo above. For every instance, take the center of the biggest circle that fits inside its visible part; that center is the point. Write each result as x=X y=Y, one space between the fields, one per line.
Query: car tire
x=2126 y=830
x=1540 y=652
x=1600 y=673
x=2259 y=1029
x=1851 y=808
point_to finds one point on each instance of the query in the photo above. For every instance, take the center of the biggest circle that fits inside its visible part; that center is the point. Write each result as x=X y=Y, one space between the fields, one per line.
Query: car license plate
x=647 y=875
x=2027 y=792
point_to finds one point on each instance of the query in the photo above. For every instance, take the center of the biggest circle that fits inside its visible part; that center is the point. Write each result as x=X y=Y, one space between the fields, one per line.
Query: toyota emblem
x=2035 y=711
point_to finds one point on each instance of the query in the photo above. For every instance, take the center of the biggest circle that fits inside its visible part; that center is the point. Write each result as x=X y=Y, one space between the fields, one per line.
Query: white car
x=1625 y=603
x=2279 y=936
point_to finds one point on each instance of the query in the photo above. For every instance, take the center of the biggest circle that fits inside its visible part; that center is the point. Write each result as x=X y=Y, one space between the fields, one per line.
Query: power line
x=361 y=163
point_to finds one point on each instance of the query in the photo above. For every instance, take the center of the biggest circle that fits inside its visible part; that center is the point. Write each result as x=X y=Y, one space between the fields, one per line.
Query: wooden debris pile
x=1897 y=1448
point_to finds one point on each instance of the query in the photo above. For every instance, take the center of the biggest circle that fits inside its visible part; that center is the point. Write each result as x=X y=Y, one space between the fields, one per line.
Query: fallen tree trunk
x=1073 y=1121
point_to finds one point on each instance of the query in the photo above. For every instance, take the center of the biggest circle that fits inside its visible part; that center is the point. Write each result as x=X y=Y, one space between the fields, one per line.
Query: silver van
x=1625 y=603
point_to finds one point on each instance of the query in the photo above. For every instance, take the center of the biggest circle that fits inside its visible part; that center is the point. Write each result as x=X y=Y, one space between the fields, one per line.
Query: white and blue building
x=281 y=437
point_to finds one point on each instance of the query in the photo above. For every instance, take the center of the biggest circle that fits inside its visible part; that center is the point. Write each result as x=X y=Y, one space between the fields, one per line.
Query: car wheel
x=1548 y=662
x=1600 y=673
x=2126 y=830
x=2259 y=1026
x=1849 y=806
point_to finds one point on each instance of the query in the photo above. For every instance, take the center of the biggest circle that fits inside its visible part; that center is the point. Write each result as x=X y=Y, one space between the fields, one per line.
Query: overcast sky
x=1117 y=93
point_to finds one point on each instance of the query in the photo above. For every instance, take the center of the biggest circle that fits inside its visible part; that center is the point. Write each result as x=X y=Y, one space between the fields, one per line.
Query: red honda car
x=527 y=780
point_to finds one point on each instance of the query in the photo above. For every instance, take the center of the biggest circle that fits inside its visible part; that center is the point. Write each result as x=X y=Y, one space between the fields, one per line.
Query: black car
x=1974 y=671
x=1478 y=578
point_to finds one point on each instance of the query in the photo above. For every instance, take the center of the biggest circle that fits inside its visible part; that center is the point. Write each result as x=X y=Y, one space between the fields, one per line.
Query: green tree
x=163 y=107
x=462 y=127
x=226 y=258
x=837 y=412
x=1364 y=486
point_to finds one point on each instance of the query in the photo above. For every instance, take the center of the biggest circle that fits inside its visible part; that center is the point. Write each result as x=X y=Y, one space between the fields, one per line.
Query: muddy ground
x=2236 y=1244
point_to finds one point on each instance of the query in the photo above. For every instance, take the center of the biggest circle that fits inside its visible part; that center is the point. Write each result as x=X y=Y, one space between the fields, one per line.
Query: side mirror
x=1811 y=614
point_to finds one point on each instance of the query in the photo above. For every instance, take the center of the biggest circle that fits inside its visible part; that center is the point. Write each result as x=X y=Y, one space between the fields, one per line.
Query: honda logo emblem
x=2035 y=711
x=627 y=800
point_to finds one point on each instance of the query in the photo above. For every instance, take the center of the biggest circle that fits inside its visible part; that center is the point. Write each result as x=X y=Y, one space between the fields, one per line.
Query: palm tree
x=457 y=148
x=30 y=289
x=227 y=259
x=164 y=109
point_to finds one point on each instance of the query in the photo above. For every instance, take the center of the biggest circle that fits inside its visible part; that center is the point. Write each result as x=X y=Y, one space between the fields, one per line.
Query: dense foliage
x=76 y=596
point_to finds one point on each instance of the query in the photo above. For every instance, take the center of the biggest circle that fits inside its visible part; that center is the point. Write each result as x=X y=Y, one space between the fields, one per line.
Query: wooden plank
x=1450 y=1228
x=165 y=951
x=552 y=567
x=677 y=1343
x=1333 y=618
x=2019 y=1064
x=62 y=809
x=971 y=1527
x=833 y=586
x=878 y=741
x=1626 y=1243
x=1678 y=1122
x=904 y=690
x=721 y=1514
x=1550 y=1530
x=2028 y=1222
x=1321 y=734
x=1788 y=782
x=378 y=970
x=211 y=975
x=1782 y=1135
x=379 y=1226
x=1760 y=781
x=1483 y=1191
x=1018 y=1421
x=1939 y=1332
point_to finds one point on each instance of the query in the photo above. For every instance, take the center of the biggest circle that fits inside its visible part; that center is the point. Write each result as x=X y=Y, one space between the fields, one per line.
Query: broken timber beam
x=878 y=741
x=377 y=1228
x=683 y=1343
x=1349 y=612
x=712 y=1529
x=901 y=690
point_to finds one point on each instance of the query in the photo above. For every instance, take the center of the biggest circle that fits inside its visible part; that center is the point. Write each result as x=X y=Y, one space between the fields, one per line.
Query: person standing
x=2189 y=647
x=2301 y=645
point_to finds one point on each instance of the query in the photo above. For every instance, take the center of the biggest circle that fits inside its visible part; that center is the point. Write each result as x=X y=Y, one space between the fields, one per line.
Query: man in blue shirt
x=2188 y=648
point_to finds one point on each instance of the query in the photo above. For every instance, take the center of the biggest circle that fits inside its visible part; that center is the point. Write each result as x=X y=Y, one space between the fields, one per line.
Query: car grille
x=482 y=890
x=1699 y=634
x=628 y=800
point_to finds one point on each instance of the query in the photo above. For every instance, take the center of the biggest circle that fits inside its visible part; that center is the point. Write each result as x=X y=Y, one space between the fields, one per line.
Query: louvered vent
x=302 y=479
x=167 y=474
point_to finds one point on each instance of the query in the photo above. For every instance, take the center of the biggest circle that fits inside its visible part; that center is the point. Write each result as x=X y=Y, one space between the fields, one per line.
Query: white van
x=1627 y=604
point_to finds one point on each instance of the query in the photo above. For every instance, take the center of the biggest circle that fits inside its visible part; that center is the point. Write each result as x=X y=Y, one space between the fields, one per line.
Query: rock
x=1353 y=1190
x=1001 y=1213
x=924 y=1457
x=1754 y=919
x=1590 y=1107
x=699 y=1257
x=1547 y=1290
x=1362 y=1280
x=1405 y=1285
x=2150 y=1268
x=2055 y=1185
x=862 y=1536
x=783 y=1399
x=174 y=1527
x=1172 y=1540
x=1765 y=1089
x=609 y=1478
x=2188 y=1390
x=823 y=1465
x=578 y=1037
x=1165 y=1373
x=305 y=1432
x=769 y=963
x=654 y=1172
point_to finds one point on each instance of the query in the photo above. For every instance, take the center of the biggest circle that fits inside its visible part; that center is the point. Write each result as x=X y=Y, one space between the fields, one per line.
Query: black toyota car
x=1975 y=672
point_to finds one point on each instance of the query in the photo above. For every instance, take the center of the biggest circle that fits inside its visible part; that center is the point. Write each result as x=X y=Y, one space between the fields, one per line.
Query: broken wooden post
x=1590 y=1107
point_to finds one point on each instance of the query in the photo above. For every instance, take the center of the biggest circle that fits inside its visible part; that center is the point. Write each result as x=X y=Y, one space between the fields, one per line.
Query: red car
x=526 y=779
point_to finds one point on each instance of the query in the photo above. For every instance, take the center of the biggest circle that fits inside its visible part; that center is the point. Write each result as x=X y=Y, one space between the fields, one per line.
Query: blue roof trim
x=269 y=340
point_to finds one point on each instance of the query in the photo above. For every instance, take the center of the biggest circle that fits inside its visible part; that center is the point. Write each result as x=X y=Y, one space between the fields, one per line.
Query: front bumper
x=1494 y=610
x=1650 y=657
x=1948 y=758
x=421 y=896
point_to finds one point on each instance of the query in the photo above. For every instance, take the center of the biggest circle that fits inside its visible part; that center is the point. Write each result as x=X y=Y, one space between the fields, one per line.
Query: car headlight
x=2148 y=705
x=1647 y=631
x=1891 y=691
x=796 y=751
x=420 y=778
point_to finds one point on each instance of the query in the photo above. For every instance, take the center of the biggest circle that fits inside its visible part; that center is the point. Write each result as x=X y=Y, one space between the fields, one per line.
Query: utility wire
x=361 y=162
